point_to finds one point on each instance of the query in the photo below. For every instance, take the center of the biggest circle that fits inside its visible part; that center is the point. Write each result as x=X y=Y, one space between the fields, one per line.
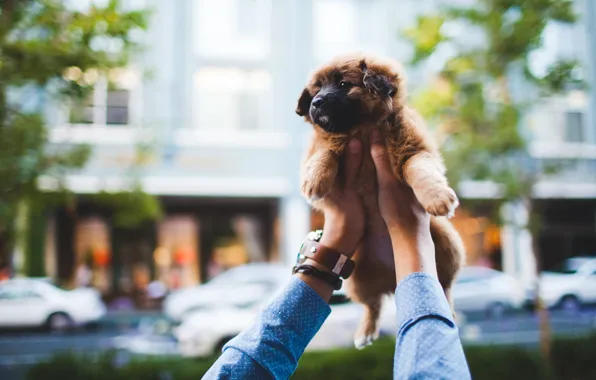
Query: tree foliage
x=40 y=40
x=471 y=100
x=132 y=207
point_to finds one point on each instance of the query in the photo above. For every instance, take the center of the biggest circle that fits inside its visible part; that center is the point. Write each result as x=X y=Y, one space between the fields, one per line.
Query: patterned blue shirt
x=427 y=343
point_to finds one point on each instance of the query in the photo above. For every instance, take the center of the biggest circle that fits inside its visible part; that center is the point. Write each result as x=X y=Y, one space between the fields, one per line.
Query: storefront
x=195 y=240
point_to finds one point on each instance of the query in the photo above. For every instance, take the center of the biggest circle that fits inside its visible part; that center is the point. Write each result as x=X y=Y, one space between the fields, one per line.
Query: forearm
x=273 y=344
x=427 y=342
x=412 y=253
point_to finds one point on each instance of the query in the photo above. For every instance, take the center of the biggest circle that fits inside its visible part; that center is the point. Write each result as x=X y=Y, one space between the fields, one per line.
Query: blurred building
x=213 y=96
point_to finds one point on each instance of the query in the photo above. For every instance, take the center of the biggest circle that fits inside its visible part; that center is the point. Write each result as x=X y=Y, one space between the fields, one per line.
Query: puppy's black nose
x=318 y=101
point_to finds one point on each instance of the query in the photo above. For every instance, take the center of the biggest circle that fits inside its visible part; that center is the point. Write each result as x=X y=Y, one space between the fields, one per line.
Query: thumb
x=379 y=154
x=353 y=160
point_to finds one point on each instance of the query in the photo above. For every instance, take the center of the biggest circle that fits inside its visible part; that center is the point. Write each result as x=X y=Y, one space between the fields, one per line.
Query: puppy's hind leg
x=373 y=279
x=369 y=329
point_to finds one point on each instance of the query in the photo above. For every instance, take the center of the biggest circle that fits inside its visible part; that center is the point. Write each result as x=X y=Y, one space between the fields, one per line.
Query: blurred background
x=149 y=196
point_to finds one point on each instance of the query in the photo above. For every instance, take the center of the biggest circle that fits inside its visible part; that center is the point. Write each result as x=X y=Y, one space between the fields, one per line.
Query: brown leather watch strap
x=336 y=262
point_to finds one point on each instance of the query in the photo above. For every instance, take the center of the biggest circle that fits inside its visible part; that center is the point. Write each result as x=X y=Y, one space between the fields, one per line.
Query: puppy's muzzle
x=318 y=101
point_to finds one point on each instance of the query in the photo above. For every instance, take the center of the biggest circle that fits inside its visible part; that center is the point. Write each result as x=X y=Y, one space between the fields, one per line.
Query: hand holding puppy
x=407 y=221
x=343 y=210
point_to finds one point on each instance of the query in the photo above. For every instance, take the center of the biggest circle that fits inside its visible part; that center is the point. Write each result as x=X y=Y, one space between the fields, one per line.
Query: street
x=30 y=348
x=522 y=328
x=19 y=350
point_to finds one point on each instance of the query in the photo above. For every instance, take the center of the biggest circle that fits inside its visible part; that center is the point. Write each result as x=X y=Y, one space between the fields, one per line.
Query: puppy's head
x=351 y=91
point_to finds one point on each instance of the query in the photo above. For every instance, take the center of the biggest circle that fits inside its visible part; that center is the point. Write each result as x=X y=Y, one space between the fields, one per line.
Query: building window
x=81 y=112
x=338 y=27
x=574 y=126
x=109 y=101
x=102 y=107
x=233 y=98
x=335 y=28
x=233 y=29
x=232 y=84
x=114 y=112
x=117 y=107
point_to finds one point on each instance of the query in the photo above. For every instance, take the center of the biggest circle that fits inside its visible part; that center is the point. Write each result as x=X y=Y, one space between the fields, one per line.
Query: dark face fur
x=348 y=93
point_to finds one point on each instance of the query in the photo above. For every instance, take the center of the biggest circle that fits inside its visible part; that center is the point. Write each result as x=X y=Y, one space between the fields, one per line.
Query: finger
x=352 y=163
x=371 y=201
x=380 y=157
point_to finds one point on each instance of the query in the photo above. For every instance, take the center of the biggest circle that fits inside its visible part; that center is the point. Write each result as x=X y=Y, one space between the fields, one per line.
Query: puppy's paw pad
x=440 y=202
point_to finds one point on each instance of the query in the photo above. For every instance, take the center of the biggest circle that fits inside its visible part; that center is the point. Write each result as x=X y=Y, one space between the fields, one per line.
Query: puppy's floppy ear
x=303 y=103
x=377 y=83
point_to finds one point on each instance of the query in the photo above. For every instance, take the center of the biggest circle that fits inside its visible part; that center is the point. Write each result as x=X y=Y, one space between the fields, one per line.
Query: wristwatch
x=338 y=264
x=334 y=261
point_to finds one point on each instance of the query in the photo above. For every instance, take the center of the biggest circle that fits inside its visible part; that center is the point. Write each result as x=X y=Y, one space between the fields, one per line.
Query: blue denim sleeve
x=427 y=343
x=271 y=347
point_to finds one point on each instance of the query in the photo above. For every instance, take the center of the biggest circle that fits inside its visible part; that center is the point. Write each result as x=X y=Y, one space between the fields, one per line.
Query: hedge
x=572 y=359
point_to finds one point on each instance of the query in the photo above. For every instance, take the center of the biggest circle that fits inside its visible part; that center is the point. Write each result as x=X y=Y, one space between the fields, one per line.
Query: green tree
x=41 y=41
x=132 y=207
x=471 y=100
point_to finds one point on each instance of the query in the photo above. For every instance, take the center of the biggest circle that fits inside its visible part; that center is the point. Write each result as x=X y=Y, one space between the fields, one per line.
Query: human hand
x=343 y=209
x=344 y=217
x=407 y=221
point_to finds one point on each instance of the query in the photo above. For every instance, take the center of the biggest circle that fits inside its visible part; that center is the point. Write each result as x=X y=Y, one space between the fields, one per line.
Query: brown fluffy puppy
x=347 y=98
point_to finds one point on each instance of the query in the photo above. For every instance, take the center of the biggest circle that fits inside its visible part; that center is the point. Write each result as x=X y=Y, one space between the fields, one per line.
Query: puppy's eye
x=344 y=84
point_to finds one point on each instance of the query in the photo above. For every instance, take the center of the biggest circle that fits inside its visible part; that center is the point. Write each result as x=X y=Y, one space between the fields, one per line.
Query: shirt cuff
x=299 y=306
x=420 y=295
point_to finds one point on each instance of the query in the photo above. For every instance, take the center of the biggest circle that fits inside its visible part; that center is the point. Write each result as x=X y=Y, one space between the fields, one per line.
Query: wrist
x=415 y=236
x=323 y=289
x=413 y=255
x=327 y=265
x=339 y=240
x=317 y=265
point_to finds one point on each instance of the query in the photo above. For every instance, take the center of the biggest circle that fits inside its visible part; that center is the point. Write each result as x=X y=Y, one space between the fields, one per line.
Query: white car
x=26 y=302
x=481 y=289
x=569 y=285
x=205 y=331
x=237 y=286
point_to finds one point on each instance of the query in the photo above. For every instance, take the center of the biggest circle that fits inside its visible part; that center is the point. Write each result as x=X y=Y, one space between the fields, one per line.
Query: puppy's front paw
x=318 y=175
x=441 y=201
x=315 y=187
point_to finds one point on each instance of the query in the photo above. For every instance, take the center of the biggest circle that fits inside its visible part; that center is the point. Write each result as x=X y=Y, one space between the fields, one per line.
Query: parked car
x=27 y=302
x=205 y=332
x=569 y=285
x=237 y=286
x=481 y=289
